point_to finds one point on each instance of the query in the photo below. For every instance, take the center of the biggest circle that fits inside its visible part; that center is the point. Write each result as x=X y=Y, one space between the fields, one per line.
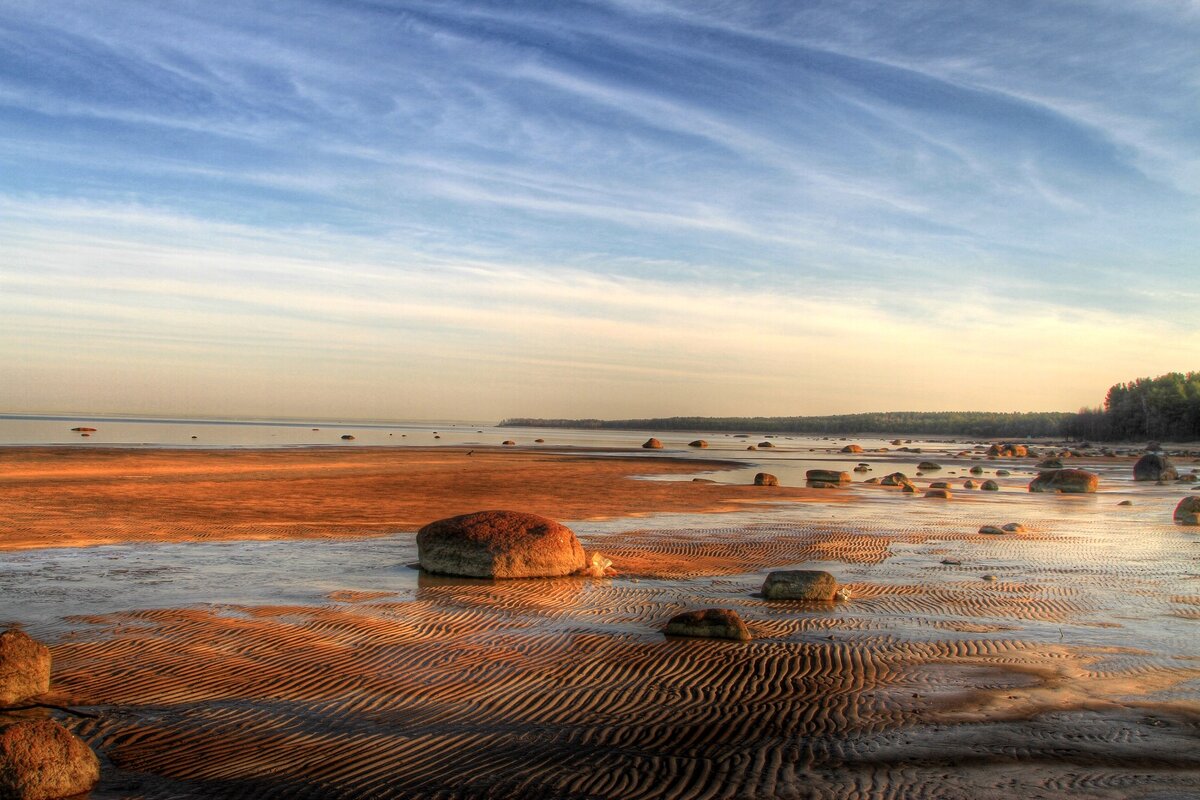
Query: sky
x=475 y=210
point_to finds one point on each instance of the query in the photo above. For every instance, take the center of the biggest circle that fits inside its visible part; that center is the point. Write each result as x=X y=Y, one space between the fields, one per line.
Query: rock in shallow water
x=827 y=476
x=41 y=760
x=1154 y=467
x=765 y=479
x=24 y=667
x=800 y=584
x=710 y=623
x=1188 y=511
x=499 y=544
x=1066 y=481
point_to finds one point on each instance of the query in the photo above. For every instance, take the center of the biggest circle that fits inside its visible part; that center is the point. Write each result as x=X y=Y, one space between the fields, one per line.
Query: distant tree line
x=1166 y=408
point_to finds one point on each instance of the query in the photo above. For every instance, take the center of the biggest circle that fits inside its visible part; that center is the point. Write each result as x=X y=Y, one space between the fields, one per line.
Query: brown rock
x=1188 y=511
x=347 y=437
x=652 y=444
x=1154 y=467
x=1013 y=527
x=765 y=479
x=499 y=544
x=852 y=448
x=765 y=444
x=928 y=466
x=970 y=484
x=827 y=476
x=508 y=443
x=698 y=443
x=84 y=430
x=939 y=485
x=800 y=584
x=1065 y=481
x=42 y=760
x=943 y=494
x=895 y=479
x=992 y=530
x=710 y=623
x=24 y=667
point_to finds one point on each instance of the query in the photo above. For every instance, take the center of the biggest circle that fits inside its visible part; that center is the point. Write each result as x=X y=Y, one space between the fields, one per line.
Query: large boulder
x=499 y=544
x=827 y=476
x=42 y=760
x=800 y=584
x=1066 y=481
x=1154 y=467
x=24 y=667
x=765 y=479
x=652 y=444
x=710 y=623
x=1188 y=511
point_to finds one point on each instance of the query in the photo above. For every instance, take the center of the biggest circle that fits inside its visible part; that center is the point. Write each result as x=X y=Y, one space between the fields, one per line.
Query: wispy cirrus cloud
x=659 y=183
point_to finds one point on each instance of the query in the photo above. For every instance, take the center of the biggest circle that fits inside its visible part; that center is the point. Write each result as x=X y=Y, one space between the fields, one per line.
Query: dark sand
x=1073 y=674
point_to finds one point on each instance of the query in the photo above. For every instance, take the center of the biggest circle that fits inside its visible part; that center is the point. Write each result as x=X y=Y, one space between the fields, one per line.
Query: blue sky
x=473 y=210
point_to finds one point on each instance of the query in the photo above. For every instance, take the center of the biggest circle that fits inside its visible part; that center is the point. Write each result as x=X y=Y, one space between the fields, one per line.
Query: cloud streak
x=674 y=198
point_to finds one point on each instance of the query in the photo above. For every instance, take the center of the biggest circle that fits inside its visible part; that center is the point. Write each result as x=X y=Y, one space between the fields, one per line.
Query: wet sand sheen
x=65 y=497
x=1072 y=674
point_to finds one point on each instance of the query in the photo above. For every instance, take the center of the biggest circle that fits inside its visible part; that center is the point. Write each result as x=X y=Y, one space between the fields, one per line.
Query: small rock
x=800 y=584
x=928 y=466
x=1002 y=473
x=765 y=444
x=990 y=486
x=710 y=623
x=939 y=485
x=1065 y=481
x=988 y=577
x=827 y=476
x=943 y=494
x=1014 y=527
x=852 y=448
x=652 y=444
x=347 y=437
x=991 y=529
x=970 y=484
x=698 y=443
x=599 y=567
x=765 y=479
x=1125 y=503
x=508 y=443
x=953 y=562
x=1188 y=511
x=977 y=470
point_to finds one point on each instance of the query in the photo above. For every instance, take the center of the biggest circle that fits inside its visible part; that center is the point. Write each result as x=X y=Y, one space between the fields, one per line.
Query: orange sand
x=64 y=497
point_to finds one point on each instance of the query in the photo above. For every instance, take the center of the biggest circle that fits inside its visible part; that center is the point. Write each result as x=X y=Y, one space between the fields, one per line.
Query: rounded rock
x=41 y=760
x=652 y=444
x=499 y=544
x=800 y=584
x=765 y=479
x=709 y=623
x=24 y=667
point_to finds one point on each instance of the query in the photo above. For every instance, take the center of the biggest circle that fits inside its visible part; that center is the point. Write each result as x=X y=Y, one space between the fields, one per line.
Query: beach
x=248 y=623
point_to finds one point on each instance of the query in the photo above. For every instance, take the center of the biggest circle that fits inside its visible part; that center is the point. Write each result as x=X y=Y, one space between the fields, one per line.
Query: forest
x=1165 y=408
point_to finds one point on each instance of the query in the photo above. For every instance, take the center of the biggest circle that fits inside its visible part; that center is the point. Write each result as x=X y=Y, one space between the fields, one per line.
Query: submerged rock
x=765 y=479
x=800 y=584
x=41 y=760
x=1065 y=481
x=710 y=623
x=24 y=667
x=499 y=544
x=1154 y=467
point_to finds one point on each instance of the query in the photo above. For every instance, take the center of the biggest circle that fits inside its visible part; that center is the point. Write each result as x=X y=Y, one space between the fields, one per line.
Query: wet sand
x=68 y=497
x=1075 y=673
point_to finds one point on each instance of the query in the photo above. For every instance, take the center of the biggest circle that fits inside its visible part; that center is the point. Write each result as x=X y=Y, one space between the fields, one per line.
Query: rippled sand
x=1074 y=673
